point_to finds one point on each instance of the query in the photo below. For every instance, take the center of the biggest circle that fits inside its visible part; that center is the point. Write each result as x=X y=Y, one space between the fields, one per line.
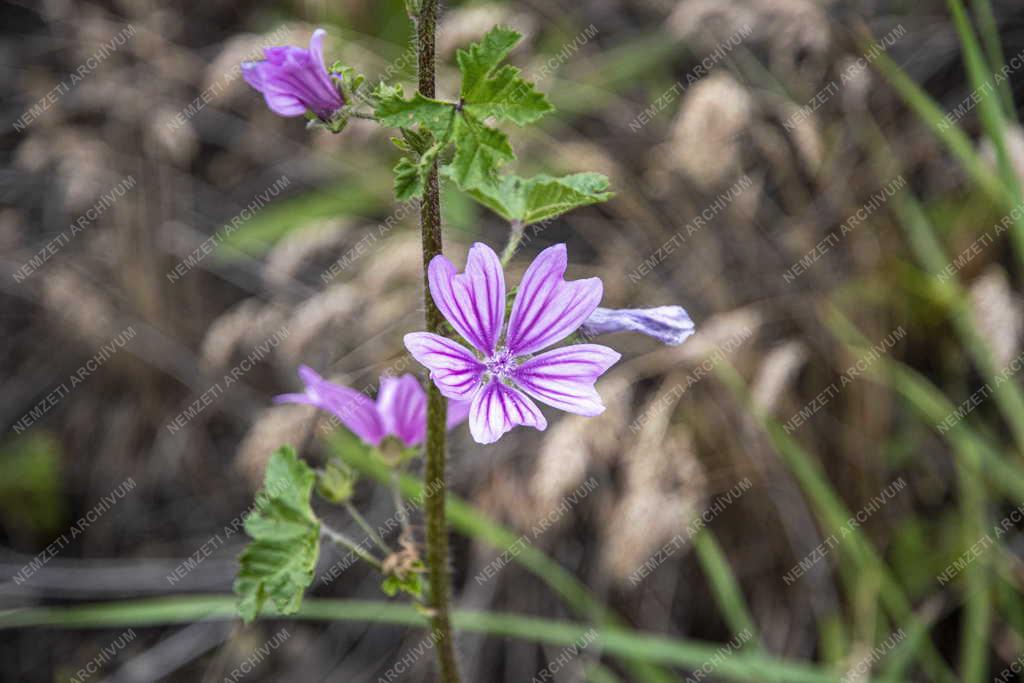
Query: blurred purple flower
x=668 y=324
x=400 y=410
x=294 y=80
x=502 y=375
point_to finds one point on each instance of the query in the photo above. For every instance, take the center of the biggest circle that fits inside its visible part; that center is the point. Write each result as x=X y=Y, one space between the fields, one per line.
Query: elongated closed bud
x=671 y=325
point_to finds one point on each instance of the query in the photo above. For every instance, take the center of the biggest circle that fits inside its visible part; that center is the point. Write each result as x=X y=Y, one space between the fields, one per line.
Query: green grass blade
x=994 y=51
x=648 y=647
x=990 y=112
x=935 y=119
x=725 y=587
x=898 y=661
x=976 y=625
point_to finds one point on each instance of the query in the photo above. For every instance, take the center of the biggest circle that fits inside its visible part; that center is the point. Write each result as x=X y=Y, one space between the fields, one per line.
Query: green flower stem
x=425 y=19
x=343 y=541
x=366 y=527
x=514 y=237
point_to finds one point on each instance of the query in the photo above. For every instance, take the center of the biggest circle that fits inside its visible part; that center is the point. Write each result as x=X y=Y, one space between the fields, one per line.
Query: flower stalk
x=342 y=541
x=515 y=236
x=425 y=20
x=367 y=528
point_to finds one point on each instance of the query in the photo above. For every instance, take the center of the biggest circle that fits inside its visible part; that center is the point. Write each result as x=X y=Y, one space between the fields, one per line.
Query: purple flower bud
x=294 y=81
x=400 y=409
x=670 y=325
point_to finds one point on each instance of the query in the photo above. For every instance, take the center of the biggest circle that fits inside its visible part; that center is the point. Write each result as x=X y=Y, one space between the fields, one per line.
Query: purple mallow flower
x=400 y=409
x=668 y=324
x=294 y=81
x=500 y=374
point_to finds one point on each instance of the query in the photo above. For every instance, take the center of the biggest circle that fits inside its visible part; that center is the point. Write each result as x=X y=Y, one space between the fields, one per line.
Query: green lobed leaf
x=279 y=562
x=432 y=115
x=478 y=60
x=531 y=200
x=408 y=179
x=479 y=151
x=488 y=90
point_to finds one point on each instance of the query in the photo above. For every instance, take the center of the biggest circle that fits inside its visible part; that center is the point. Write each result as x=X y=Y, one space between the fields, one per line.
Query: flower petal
x=283 y=104
x=316 y=48
x=458 y=411
x=473 y=301
x=547 y=309
x=252 y=72
x=402 y=405
x=279 y=101
x=453 y=367
x=670 y=325
x=310 y=377
x=323 y=76
x=497 y=408
x=564 y=377
x=276 y=54
x=354 y=409
x=294 y=398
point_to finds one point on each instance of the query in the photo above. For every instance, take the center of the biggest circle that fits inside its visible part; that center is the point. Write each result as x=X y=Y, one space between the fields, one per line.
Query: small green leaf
x=531 y=200
x=336 y=124
x=479 y=151
x=411 y=176
x=410 y=582
x=390 y=586
x=408 y=180
x=383 y=91
x=417 y=141
x=337 y=482
x=499 y=92
x=279 y=562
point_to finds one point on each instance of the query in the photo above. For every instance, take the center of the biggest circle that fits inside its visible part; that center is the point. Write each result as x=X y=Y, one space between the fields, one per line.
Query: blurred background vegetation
x=855 y=282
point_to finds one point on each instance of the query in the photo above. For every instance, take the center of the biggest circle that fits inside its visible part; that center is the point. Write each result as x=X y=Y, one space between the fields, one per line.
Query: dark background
x=685 y=448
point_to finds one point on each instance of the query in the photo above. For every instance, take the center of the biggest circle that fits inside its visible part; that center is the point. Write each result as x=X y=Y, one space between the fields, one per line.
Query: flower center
x=501 y=364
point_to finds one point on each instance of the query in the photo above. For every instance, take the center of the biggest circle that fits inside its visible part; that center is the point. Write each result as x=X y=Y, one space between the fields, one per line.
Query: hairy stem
x=515 y=235
x=434 y=447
